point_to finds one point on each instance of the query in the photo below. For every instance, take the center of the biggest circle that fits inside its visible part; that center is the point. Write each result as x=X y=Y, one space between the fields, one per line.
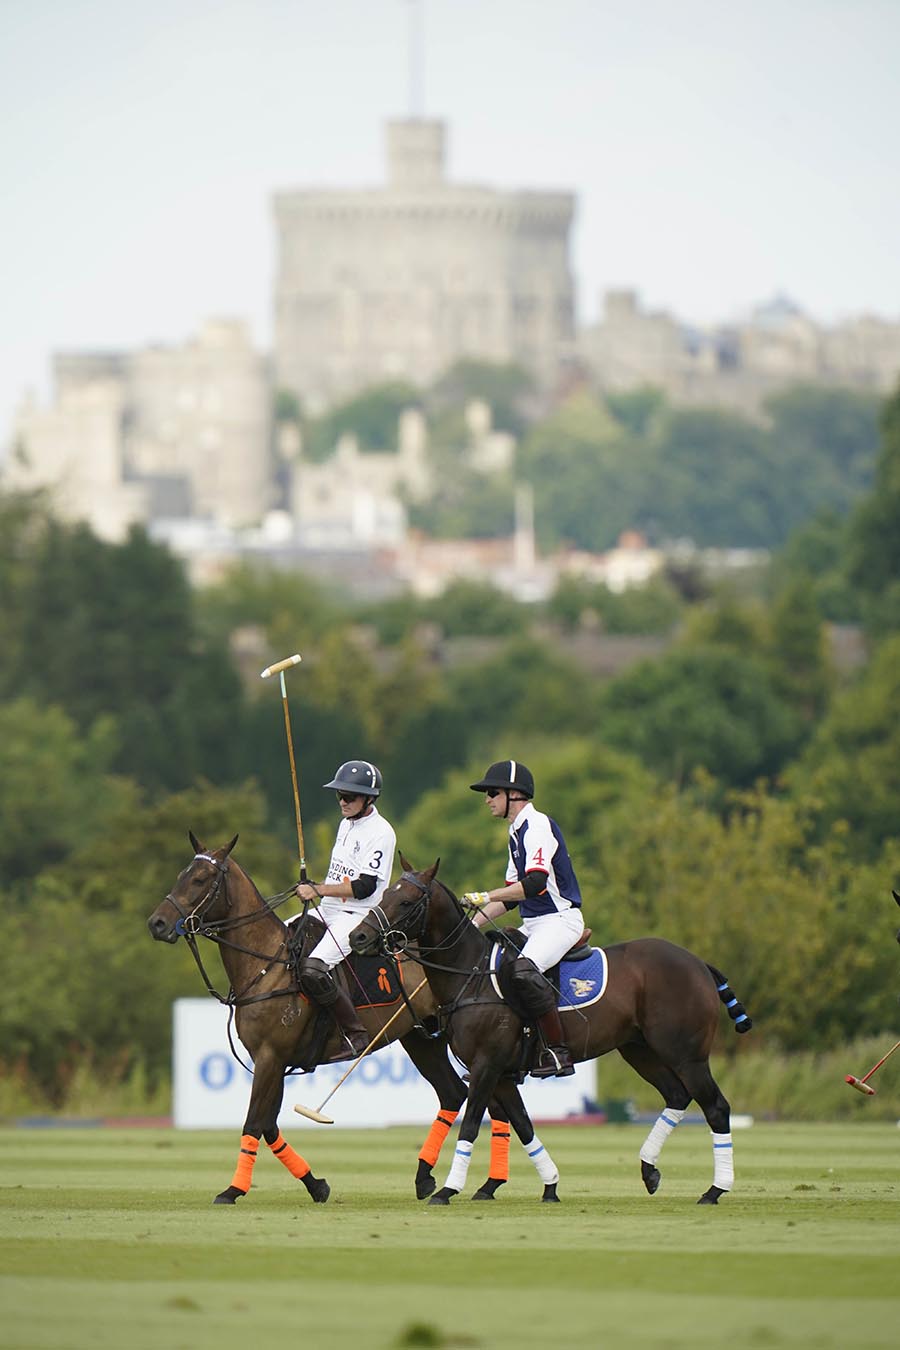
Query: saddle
x=515 y=937
x=370 y=981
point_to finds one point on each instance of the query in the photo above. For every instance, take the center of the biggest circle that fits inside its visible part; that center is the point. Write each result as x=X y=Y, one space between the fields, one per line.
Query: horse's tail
x=736 y=1009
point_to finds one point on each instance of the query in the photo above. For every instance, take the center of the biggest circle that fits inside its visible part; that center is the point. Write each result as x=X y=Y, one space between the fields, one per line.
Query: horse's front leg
x=433 y=1063
x=266 y=1096
x=546 y=1168
x=482 y=1083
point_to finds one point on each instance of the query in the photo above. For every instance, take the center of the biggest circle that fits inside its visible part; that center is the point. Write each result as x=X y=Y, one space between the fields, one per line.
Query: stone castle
x=389 y=283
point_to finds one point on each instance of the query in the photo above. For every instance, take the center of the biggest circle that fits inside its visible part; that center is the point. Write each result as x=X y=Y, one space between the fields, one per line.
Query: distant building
x=740 y=365
x=400 y=281
x=161 y=433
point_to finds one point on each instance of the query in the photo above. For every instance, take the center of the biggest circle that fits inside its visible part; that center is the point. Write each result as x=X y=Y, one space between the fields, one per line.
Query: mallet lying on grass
x=313 y=1113
x=861 y=1084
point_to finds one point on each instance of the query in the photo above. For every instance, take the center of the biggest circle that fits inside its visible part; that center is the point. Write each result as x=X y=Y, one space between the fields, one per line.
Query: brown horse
x=214 y=898
x=660 y=1011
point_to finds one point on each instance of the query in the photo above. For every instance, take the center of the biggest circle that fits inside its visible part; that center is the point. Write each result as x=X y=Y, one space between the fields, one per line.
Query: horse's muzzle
x=363 y=943
x=161 y=930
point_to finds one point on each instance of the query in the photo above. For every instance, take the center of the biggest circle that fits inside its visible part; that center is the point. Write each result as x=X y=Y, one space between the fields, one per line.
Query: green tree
x=56 y=786
x=701 y=707
x=505 y=388
x=370 y=416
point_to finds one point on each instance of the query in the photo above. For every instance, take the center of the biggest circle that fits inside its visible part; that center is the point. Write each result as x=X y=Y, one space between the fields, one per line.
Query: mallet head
x=312 y=1114
x=280 y=665
x=859 y=1085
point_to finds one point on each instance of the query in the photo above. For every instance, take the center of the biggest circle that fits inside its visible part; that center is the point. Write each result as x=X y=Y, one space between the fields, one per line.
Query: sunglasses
x=493 y=792
x=348 y=796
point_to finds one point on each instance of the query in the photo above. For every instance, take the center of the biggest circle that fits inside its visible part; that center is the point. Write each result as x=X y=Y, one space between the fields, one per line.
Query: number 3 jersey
x=536 y=844
x=363 y=846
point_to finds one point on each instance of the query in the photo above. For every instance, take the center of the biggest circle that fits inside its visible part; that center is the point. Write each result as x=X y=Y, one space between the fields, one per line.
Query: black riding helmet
x=510 y=774
x=357 y=775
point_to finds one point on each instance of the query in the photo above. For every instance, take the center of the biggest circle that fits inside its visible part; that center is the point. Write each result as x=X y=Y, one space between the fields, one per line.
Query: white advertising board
x=211 y=1090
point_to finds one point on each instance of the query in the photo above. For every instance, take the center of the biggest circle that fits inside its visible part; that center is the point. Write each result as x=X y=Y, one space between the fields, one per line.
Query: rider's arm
x=492 y=910
x=345 y=889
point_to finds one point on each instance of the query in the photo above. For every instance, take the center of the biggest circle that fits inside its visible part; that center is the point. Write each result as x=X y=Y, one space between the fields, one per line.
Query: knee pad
x=534 y=991
x=317 y=982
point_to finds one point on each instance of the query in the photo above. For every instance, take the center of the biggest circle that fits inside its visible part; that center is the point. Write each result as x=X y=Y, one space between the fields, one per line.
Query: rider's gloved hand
x=308 y=891
x=477 y=899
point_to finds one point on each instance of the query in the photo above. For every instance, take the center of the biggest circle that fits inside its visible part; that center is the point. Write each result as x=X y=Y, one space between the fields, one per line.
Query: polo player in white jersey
x=360 y=868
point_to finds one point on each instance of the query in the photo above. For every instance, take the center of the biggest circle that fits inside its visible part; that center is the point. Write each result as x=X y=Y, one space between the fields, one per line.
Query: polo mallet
x=861 y=1084
x=278 y=669
x=311 y=1112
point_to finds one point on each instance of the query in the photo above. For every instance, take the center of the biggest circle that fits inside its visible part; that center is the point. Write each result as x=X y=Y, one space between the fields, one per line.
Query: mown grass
x=108 y=1238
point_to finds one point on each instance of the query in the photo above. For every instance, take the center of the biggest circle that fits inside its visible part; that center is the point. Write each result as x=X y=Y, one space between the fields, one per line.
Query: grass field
x=108 y=1239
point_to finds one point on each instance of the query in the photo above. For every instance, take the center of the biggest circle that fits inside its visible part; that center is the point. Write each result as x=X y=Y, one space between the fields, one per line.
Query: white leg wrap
x=546 y=1167
x=723 y=1162
x=666 y=1121
x=462 y=1156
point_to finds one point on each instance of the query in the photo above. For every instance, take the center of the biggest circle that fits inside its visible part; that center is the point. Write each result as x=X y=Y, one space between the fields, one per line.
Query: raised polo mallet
x=278 y=669
x=861 y=1084
x=311 y=1112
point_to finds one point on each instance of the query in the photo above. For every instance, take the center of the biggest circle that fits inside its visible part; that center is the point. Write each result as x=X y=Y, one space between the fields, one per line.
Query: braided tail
x=736 y=1010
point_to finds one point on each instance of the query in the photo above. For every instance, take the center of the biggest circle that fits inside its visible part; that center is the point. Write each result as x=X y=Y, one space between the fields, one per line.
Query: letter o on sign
x=216 y=1071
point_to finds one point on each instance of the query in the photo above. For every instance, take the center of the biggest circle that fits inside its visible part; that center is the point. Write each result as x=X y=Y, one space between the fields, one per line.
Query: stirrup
x=348 y=1050
x=555 y=1061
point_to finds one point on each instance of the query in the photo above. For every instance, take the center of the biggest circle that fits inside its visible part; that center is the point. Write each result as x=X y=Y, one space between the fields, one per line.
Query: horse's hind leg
x=676 y=1097
x=708 y=1096
x=508 y=1094
x=498 y=1175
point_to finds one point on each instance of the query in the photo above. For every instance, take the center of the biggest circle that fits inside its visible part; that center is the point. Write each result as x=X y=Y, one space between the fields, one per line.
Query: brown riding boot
x=555 y=1060
x=355 y=1034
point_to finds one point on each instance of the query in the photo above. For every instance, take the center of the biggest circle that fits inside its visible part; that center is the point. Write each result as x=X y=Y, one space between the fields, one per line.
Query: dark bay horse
x=214 y=898
x=660 y=1011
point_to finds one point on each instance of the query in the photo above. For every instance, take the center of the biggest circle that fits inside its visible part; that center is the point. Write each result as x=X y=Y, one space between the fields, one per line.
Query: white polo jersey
x=363 y=846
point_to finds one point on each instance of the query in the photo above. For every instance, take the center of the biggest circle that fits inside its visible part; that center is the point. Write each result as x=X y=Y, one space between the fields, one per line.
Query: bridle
x=193 y=924
x=392 y=941
x=190 y=925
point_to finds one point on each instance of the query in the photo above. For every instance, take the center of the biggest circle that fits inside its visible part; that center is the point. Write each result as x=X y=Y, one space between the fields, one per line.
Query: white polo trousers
x=551 y=935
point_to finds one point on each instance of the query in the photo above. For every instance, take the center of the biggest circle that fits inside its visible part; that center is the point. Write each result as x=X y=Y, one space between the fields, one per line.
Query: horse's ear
x=195 y=842
x=229 y=847
x=430 y=875
x=896 y=896
x=405 y=863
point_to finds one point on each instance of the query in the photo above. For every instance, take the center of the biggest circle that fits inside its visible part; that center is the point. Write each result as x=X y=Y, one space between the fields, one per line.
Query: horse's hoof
x=550 y=1197
x=425 y=1187
x=229 y=1196
x=443 y=1196
x=318 y=1188
x=650 y=1177
x=711 y=1197
x=488 y=1190
x=425 y=1182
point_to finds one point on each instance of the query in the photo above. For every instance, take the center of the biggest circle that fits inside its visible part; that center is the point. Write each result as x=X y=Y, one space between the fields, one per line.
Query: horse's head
x=199 y=896
x=401 y=914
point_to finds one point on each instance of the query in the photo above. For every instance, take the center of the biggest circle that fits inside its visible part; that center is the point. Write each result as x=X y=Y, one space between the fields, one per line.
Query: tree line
x=738 y=792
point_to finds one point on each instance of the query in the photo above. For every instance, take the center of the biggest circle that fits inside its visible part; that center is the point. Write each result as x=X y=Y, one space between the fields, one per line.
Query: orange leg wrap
x=297 y=1166
x=243 y=1173
x=499 y=1151
x=436 y=1136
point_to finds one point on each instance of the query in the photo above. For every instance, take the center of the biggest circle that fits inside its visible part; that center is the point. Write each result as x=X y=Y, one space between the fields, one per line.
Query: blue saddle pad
x=580 y=982
x=583 y=982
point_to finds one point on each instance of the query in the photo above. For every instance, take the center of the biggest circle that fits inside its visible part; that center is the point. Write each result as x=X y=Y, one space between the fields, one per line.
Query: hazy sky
x=720 y=149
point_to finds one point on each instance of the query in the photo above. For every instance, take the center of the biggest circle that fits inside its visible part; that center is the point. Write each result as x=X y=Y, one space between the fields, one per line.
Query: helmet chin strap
x=367 y=802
